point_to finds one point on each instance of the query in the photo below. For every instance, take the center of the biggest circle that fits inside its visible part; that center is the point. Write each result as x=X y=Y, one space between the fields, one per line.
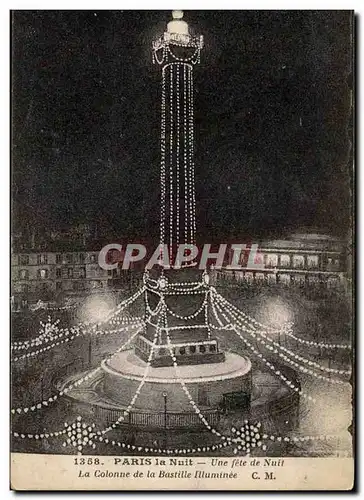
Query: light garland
x=52 y=399
x=245 y=317
x=291 y=353
x=163 y=160
x=184 y=387
x=188 y=316
x=36 y=436
x=185 y=148
x=272 y=367
x=321 y=345
x=177 y=154
x=139 y=388
x=191 y=162
x=171 y=165
x=67 y=335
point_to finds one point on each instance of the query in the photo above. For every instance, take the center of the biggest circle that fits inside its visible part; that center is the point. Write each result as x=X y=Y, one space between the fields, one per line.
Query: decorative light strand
x=192 y=59
x=171 y=165
x=163 y=160
x=139 y=388
x=184 y=387
x=255 y=334
x=178 y=153
x=52 y=399
x=192 y=165
x=321 y=345
x=188 y=316
x=277 y=372
x=190 y=141
x=36 y=436
x=185 y=148
x=245 y=317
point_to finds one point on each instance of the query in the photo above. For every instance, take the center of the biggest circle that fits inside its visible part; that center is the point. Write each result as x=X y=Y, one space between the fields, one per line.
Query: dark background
x=273 y=121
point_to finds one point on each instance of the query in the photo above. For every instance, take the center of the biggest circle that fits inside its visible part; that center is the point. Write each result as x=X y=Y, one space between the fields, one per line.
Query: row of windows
x=77 y=286
x=60 y=273
x=286 y=278
x=68 y=258
x=297 y=261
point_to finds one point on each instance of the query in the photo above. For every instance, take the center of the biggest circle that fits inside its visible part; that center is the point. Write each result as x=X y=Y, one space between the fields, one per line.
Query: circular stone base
x=206 y=383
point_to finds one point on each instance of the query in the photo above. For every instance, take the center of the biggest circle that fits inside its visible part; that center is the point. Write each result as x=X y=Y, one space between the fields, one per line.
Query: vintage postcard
x=182 y=264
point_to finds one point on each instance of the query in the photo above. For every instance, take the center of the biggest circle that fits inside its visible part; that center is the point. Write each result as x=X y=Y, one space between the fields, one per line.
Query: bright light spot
x=97 y=308
x=275 y=313
x=177 y=14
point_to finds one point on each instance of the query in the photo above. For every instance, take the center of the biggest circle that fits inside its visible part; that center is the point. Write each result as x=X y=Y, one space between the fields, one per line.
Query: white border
x=357 y=5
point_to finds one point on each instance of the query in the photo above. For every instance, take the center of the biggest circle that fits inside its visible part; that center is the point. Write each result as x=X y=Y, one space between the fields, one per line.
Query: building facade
x=302 y=259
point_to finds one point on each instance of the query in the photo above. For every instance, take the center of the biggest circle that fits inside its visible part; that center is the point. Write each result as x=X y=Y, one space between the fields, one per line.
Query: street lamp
x=164 y=394
x=165 y=409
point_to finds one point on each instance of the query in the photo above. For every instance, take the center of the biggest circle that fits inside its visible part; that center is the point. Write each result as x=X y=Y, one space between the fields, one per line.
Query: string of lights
x=183 y=384
x=188 y=316
x=139 y=388
x=270 y=365
x=321 y=345
x=52 y=399
x=185 y=149
x=257 y=334
x=171 y=164
x=192 y=194
x=163 y=160
x=178 y=155
x=247 y=318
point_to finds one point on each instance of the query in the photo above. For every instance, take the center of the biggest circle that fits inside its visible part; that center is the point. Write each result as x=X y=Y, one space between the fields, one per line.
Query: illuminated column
x=177 y=52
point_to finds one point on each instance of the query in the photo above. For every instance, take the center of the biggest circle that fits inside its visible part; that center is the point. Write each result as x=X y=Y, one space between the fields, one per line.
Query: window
x=333 y=263
x=81 y=258
x=192 y=349
x=285 y=260
x=299 y=279
x=312 y=261
x=58 y=285
x=58 y=272
x=298 y=261
x=93 y=258
x=70 y=272
x=285 y=279
x=58 y=258
x=249 y=277
x=24 y=288
x=23 y=260
x=202 y=348
x=182 y=351
x=271 y=260
x=332 y=282
x=69 y=258
x=259 y=276
x=42 y=274
x=212 y=348
x=82 y=272
x=272 y=278
x=24 y=274
x=42 y=259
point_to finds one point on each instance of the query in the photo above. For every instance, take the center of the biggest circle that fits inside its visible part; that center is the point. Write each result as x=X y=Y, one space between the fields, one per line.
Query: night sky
x=272 y=111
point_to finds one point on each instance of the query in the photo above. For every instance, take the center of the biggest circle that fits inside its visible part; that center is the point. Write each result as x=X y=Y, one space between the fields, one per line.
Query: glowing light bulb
x=177 y=14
